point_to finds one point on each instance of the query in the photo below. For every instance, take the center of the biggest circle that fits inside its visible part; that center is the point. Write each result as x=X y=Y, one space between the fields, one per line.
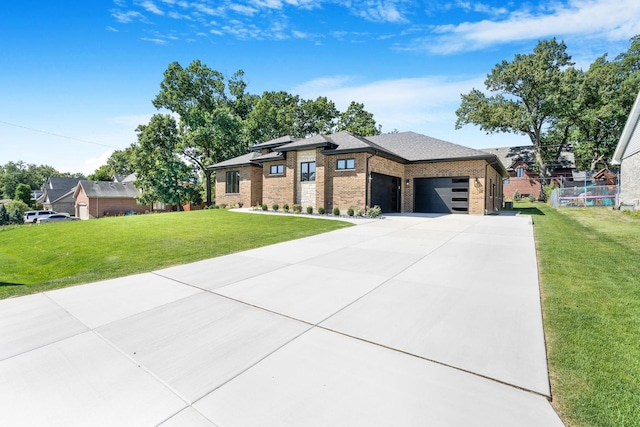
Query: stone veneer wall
x=306 y=190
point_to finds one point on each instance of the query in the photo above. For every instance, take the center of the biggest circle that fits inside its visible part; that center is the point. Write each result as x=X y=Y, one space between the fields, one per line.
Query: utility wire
x=58 y=135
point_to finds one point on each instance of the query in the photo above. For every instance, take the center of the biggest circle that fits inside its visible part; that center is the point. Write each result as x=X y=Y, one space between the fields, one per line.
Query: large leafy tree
x=14 y=173
x=527 y=97
x=211 y=113
x=161 y=174
x=358 y=121
x=119 y=163
x=606 y=94
x=23 y=192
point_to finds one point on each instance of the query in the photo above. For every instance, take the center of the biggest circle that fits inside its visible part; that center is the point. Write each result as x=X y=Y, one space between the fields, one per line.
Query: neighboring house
x=95 y=199
x=400 y=172
x=520 y=163
x=627 y=155
x=57 y=194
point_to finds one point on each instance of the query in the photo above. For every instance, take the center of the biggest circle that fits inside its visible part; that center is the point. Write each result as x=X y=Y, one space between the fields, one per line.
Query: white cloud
x=150 y=6
x=127 y=17
x=426 y=105
x=154 y=40
x=244 y=10
x=589 y=18
x=91 y=164
x=379 y=11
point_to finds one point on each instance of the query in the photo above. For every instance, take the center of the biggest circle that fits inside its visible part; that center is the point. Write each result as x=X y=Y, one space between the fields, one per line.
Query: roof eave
x=629 y=127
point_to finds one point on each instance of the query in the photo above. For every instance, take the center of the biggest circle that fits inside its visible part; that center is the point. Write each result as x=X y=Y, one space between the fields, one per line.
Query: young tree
x=23 y=192
x=525 y=97
x=358 y=121
x=4 y=216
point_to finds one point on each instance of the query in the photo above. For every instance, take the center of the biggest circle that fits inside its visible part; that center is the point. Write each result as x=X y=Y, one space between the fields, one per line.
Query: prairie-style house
x=400 y=172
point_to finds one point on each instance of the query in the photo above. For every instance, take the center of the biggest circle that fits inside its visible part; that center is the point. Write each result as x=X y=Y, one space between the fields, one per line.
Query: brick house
x=96 y=199
x=401 y=172
x=520 y=164
x=627 y=155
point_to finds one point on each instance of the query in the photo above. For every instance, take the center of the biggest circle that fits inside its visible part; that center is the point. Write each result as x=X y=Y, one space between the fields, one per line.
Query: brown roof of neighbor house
x=107 y=189
x=510 y=155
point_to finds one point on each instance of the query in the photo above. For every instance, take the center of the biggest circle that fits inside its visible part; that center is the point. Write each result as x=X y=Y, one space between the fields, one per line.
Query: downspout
x=368 y=180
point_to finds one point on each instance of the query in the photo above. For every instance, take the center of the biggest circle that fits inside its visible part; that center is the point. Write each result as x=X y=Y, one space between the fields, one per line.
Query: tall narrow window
x=519 y=172
x=232 y=182
x=308 y=171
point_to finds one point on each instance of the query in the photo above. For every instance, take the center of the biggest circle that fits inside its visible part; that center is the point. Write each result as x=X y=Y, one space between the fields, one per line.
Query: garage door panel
x=442 y=195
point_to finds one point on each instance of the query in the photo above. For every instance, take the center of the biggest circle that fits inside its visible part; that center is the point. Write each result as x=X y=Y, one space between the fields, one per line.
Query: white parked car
x=57 y=217
x=33 y=216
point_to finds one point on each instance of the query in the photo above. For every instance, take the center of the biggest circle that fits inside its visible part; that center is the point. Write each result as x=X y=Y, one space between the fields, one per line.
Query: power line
x=58 y=135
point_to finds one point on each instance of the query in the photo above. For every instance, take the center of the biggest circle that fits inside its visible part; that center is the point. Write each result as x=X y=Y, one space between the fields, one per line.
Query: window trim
x=519 y=172
x=345 y=162
x=233 y=184
x=308 y=175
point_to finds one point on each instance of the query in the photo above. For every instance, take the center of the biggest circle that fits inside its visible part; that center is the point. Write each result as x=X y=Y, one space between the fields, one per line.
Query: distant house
x=627 y=155
x=401 y=172
x=520 y=163
x=96 y=199
x=57 y=194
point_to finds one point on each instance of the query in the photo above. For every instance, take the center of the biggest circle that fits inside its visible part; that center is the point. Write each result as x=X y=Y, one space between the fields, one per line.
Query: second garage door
x=442 y=195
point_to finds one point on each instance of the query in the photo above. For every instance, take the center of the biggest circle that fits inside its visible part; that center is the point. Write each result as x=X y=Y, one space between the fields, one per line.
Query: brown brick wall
x=250 y=186
x=345 y=189
x=525 y=186
x=280 y=189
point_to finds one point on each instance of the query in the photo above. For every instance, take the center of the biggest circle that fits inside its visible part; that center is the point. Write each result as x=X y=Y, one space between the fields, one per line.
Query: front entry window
x=308 y=171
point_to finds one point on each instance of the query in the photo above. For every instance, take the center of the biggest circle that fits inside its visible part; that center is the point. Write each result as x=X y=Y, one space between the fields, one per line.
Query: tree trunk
x=544 y=173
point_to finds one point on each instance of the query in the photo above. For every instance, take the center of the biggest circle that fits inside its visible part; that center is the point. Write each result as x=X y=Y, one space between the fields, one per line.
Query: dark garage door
x=385 y=192
x=442 y=195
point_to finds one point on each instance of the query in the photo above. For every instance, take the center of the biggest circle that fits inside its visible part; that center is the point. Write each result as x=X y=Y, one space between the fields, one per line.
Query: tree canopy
x=14 y=173
x=541 y=95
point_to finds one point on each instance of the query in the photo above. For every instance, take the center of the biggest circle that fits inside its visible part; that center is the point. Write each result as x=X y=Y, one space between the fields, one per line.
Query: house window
x=344 y=164
x=308 y=171
x=276 y=170
x=505 y=181
x=232 y=182
x=519 y=172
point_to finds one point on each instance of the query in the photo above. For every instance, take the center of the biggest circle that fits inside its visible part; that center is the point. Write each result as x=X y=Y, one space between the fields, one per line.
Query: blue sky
x=77 y=77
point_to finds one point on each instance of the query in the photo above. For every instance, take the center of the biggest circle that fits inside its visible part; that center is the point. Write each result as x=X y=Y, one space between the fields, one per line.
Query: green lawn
x=590 y=278
x=34 y=258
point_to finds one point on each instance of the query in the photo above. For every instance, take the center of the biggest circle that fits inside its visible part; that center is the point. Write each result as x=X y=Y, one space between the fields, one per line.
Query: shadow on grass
x=531 y=211
x=12 y=284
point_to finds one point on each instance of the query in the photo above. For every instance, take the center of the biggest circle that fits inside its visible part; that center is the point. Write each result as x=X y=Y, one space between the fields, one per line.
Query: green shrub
x=285 y=207
x=296 y=212
x=297 y=207
x=4 y=216
x=374 y=212
x=257 y=207
x=516 y=196
x=336 y=211
x=321 y=210
x=350 y=212
x=223 y=206
x=531 y=198
x=264 y=207
x=17 y=217
x=275 y=207
x=240 y=204
x=309 y=210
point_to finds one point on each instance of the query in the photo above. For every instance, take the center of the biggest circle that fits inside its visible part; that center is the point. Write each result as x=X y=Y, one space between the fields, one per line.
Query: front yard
x=34 y=258
x=589 y=262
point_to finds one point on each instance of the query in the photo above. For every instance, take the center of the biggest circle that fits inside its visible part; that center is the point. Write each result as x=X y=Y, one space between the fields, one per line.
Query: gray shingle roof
x=274 y=142
x=245 y=159
x=313 y=142
x=274 y=155
x=107 y=189
x=416 y=147
x=61 y=183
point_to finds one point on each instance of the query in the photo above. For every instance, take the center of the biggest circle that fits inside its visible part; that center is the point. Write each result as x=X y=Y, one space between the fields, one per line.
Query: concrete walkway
x=404 y=321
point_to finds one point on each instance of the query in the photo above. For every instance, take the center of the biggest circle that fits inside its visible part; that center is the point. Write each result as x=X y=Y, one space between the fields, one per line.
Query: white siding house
x=627 y=155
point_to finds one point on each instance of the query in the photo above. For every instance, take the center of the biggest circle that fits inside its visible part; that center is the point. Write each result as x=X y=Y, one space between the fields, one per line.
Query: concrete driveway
x=404 y=321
